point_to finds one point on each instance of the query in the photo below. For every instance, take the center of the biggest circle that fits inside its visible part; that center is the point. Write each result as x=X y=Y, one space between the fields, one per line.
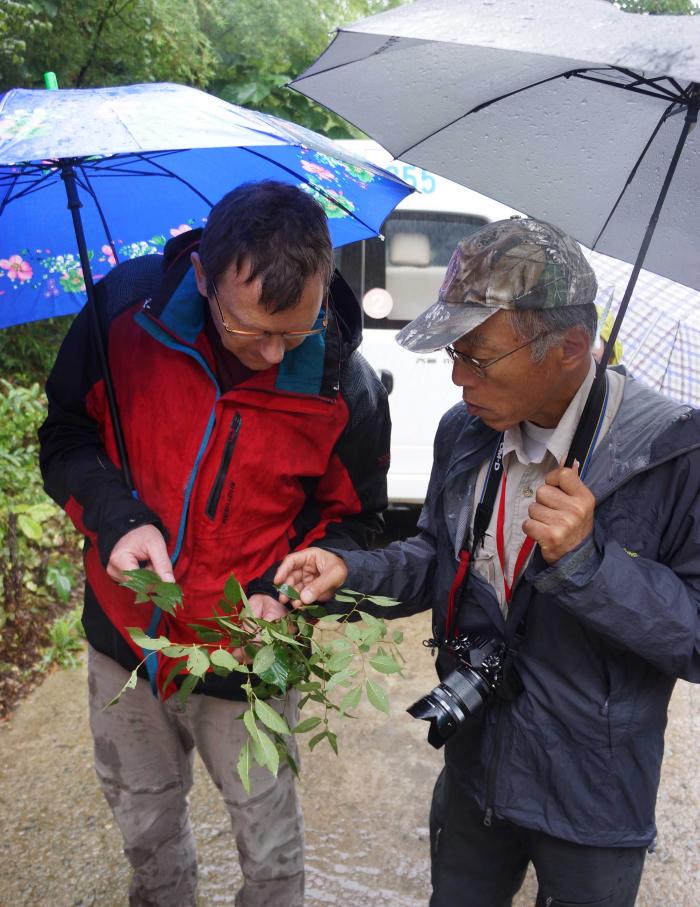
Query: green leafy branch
x=330 y=659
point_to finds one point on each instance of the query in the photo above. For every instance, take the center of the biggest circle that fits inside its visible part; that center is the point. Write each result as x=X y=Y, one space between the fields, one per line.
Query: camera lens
x=460 y=694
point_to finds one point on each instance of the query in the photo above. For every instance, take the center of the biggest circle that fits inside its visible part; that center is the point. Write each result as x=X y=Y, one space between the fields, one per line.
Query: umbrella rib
x=34 y=186
x=93 y=195
x=660 y=94
x=489 y=103
x=662 y=119
x=326 y=195
x=169 y=172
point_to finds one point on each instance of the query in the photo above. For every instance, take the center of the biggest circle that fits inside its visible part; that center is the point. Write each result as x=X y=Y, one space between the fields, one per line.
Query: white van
x=397 y=278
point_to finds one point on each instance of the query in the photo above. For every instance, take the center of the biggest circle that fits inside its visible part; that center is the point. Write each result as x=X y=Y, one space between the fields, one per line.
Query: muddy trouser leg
x=471 y=865
x=143 y=759
x=571 y=874
x=268 y=824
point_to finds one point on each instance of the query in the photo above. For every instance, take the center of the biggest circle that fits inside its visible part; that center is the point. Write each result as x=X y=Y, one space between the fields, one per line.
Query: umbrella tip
x=50 y=81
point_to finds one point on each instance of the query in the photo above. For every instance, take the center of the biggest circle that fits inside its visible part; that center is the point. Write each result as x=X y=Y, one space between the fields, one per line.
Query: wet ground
x=366 y=811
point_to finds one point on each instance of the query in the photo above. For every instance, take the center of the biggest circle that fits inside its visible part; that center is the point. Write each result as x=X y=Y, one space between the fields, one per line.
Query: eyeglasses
x=479 y=366
x=287 y=336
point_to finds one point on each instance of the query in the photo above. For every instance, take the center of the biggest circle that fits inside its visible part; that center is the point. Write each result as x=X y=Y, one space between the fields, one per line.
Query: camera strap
x=582 y=446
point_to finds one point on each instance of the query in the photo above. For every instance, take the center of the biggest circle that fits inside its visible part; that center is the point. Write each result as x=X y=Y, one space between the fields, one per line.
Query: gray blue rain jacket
x=609 y=628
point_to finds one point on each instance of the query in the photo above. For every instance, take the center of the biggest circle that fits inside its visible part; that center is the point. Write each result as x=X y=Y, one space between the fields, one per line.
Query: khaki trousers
x=144 y=753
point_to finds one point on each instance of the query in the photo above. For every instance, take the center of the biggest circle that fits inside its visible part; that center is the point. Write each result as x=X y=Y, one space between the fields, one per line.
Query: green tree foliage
x=105 y=42
x=262 y=46
x=242 y=50
x=659 y=7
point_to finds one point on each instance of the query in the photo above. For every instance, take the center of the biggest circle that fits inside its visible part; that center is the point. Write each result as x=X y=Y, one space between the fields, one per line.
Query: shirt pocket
x=485 y=561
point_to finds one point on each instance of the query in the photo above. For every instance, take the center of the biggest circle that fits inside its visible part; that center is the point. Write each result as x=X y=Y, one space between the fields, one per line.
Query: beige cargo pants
x=144 y=753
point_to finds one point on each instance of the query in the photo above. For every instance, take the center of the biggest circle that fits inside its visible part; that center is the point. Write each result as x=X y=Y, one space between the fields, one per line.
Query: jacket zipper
x=218 y=486
x=491 y=771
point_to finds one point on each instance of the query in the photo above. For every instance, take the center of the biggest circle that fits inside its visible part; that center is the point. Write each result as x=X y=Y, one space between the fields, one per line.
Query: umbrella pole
x=74 y=204
x=589 y=418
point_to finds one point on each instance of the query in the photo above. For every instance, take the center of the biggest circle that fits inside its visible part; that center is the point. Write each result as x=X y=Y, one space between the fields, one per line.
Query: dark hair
x=276 y=227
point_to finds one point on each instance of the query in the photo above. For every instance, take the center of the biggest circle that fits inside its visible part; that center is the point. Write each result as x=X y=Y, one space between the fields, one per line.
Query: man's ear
x=576 y=348
x=199 y=274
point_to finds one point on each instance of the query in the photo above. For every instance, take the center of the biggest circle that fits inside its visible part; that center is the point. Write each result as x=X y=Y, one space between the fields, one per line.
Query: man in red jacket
x=253 y=427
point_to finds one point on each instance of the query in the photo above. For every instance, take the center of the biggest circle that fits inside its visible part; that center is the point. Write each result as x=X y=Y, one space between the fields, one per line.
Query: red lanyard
x=524 y=553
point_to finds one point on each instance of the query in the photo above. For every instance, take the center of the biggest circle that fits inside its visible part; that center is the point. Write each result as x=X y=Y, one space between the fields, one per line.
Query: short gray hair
x=555 y=321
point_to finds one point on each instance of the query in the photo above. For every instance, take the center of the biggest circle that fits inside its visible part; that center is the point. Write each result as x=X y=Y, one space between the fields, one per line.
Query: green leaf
x=176 y=651
x=385 y=664
x=338 y=662
x=382 y=601
x=308 y=724
x=377 y=696
x=351 y=700
x=289 y=591
x=129 y=685
x=342 y=677
x=330 y=618
x=29 y=527
x=206 y=634
x=308 y=686
x=283 y=637
x=291 y=763
x=333 y=740
x=272 y=757
x=232 y=590
x=188 y=684
x=244 y=766
x=343 y=597
x=147 y=642
x=197 y=662
x=271 y=718
x=317 y=739
x=264 y=659
x=172 y=673
x=223 y=659
x=278 y=672
x=371 y=620
x=397 y=637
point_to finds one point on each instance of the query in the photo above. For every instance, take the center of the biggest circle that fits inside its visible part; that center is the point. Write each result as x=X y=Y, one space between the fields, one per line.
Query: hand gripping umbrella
x=138 y=164
x=569 y=110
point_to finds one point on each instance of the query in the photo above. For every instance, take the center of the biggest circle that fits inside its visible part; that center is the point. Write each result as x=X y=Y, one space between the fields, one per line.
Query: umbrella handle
x=74 y=204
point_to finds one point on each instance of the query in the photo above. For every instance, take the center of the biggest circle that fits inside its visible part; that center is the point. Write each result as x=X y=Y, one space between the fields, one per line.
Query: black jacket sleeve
x=77 y=472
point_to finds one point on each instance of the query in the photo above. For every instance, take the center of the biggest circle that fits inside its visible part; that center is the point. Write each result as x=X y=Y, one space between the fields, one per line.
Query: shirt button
x=528 y=492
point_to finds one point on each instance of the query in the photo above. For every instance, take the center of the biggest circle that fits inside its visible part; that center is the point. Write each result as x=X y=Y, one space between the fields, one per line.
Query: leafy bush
x=38 y=546
x=276 y=657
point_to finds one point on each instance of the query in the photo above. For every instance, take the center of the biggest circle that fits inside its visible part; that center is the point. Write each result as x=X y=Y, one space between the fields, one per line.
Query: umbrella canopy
x=149 y=161
x=661 y=331
x=569 y=110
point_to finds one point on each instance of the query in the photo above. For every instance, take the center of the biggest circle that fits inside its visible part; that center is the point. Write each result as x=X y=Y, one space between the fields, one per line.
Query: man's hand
x=562 y=515
x=266 y=607
x=315 y=574
x=143 y=546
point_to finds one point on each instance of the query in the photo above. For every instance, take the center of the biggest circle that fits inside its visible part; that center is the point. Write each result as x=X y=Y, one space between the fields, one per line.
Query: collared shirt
x=529 y=453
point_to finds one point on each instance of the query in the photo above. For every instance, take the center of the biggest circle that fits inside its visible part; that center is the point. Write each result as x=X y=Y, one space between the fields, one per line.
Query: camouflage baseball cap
x=520 y=263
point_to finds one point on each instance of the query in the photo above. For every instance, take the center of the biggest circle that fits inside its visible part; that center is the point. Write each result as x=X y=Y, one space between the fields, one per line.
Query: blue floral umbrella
x=142 y=163
x=137 y=164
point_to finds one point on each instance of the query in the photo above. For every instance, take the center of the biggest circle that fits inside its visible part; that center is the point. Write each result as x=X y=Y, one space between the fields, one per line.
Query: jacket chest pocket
x=223 y=484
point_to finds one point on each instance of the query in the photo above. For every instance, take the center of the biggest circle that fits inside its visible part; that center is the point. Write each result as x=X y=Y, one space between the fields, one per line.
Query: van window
x=409 y=263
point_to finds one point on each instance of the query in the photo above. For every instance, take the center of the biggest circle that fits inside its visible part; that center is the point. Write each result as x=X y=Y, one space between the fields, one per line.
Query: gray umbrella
x=522 y=101
x=569 y=110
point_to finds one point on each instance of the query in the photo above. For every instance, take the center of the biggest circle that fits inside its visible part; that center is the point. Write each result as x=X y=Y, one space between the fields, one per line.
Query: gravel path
x=366 y=811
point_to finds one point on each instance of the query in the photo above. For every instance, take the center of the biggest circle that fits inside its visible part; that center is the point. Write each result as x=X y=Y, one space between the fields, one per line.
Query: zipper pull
x=487 y=817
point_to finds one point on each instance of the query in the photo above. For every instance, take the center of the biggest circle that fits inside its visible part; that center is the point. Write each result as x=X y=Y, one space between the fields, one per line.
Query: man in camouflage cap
x=559 y=764
x=511 y=264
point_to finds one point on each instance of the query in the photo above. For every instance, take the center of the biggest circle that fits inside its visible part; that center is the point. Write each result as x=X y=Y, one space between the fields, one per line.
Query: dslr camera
x=477 y=675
